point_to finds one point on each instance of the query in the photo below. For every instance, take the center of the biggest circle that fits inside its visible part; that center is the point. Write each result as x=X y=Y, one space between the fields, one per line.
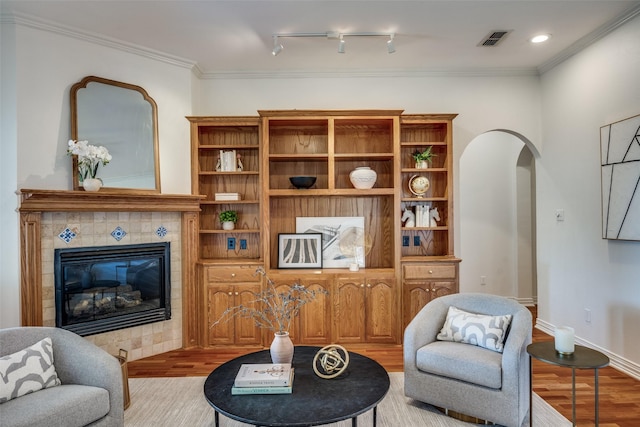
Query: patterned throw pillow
x=27 y=371
x=477 y=329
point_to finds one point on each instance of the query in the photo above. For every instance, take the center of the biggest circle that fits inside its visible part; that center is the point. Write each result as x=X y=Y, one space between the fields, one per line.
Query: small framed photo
x=300 y=250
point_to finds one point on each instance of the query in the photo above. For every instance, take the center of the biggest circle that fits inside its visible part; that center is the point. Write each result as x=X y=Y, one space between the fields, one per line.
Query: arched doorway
x=497 y=216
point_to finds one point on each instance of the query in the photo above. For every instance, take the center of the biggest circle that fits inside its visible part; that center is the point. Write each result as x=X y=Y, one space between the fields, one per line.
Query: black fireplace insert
x=100 y=289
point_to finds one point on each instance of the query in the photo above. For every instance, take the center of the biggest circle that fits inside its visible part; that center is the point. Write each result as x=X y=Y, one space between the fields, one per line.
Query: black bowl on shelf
x=302 y=181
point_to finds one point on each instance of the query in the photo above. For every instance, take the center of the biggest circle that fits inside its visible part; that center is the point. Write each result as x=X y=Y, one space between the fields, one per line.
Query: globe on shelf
x=419 y=185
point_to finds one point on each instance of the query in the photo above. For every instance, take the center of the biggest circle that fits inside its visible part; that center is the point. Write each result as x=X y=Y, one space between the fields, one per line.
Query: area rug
x=180 y=402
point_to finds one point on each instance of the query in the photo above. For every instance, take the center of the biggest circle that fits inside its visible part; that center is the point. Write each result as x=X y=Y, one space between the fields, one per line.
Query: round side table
x=582 y=358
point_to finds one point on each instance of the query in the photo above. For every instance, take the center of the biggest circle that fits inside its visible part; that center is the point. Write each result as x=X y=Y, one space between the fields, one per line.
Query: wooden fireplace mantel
x=106 y=201
x=35 y=202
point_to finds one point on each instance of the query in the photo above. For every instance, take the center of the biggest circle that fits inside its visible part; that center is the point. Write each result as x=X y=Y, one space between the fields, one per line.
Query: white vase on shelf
x=228 y=225
x=363 y=177
x=91 y=184
x=281 y=348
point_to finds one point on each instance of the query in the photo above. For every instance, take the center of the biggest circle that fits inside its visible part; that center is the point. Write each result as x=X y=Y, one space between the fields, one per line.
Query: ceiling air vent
x=493 y=38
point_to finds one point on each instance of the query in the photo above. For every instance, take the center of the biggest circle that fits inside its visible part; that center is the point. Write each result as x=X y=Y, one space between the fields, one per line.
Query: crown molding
x=56 y=28
x=365 y=73
x=590 y=38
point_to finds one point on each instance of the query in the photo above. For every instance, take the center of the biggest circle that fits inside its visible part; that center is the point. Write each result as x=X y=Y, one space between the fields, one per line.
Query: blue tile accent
x=67 y=235
x=161 y=231
x=118 y=233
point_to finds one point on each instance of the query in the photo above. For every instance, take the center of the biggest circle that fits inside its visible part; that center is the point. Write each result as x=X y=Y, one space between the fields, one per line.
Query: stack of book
x=264 y=378
x=227 y=196
x=422 y=215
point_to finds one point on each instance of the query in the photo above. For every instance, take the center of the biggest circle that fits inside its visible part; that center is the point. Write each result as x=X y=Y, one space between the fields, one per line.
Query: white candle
x=565 y=340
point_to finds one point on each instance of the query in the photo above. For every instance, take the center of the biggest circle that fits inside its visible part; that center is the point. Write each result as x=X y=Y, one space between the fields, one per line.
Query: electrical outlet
x=416 y=240
x=483 y=280
x=405 y=240
x=587 y=315
x=231 y=243
x=243 y=243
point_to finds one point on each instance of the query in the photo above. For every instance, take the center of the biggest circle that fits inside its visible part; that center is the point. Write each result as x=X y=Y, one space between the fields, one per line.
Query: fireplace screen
x=105 y=288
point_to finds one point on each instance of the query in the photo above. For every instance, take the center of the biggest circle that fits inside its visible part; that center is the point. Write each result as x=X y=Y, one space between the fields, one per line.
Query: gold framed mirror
x=123 y=118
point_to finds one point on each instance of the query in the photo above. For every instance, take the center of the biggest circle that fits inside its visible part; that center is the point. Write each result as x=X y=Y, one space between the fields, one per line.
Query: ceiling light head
x=341 y=45
x=390 y=46
x=541 y=38
x=277 y=47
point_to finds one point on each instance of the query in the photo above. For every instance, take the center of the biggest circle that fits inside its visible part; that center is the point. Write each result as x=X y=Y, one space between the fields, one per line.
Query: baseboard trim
x=617 y=362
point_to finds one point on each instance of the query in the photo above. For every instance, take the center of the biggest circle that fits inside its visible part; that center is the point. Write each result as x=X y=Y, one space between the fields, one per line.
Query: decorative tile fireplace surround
x=64 y=219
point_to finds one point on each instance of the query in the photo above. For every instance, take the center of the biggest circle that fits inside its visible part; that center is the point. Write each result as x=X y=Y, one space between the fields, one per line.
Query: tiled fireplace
x=49 y=222
x=105 y=288
x=95 y=229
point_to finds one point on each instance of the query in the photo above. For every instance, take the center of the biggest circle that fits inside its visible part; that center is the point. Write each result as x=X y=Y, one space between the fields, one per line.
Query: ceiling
x=235 y=37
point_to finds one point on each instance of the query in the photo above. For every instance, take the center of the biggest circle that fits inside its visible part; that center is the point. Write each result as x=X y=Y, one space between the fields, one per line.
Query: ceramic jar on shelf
x=363 y=177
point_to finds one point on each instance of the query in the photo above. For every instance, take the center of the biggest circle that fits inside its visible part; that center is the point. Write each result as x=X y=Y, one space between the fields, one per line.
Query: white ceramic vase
x=91 y=184
x=363 y=177
x=422 y=164
x=228 y=225
x=281 y=348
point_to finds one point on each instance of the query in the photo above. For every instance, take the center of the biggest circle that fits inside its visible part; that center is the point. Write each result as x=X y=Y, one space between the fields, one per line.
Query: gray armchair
x=466 y=378
x=91 y=392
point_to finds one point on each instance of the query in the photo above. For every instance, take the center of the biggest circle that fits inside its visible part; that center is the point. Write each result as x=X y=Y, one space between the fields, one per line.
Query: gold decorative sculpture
x=332 y=360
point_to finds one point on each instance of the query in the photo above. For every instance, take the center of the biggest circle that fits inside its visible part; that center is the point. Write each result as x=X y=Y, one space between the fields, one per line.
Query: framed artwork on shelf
x=343 y=239
x=620 y=161
x=300 y=250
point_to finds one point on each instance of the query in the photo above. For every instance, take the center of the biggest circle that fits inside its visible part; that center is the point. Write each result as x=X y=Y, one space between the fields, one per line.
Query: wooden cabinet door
x=229 y=331
x=349 y=305
x=439 y=289
x=315 y=317
x=219 y=298
x=246 y=331
x=381 y=322
x=416 y=295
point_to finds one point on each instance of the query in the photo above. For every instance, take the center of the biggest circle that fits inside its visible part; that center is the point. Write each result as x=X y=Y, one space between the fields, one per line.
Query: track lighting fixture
x=333 y=35
x=390 y=46
x=277 y=47
x=341 y=44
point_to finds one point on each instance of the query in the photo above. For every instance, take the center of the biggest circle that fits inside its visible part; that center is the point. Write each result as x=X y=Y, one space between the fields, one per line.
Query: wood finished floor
x=619 y=393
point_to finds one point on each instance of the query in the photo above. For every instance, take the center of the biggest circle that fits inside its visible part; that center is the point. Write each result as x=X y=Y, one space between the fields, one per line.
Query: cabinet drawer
x=231 y=274
x=432 y=271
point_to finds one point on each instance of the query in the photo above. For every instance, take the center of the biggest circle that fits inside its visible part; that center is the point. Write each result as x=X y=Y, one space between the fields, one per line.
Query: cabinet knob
x=233 y=274
x=427 y=290
x=362 y=285
x=368 y=285
x=230 y=293
x=430 y=271
x=236 y=293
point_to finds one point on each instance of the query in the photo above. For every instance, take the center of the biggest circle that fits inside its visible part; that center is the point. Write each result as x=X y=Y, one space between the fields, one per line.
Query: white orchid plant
x=89 y=157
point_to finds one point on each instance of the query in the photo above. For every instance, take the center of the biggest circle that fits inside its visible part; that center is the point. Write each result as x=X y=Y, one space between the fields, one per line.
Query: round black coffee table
x=314 y=401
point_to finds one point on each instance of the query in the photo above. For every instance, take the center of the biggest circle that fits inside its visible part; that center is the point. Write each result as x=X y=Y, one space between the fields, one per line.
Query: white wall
x=36 y=123
x=9 y=260
x=577 y=269
x=487 y=209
